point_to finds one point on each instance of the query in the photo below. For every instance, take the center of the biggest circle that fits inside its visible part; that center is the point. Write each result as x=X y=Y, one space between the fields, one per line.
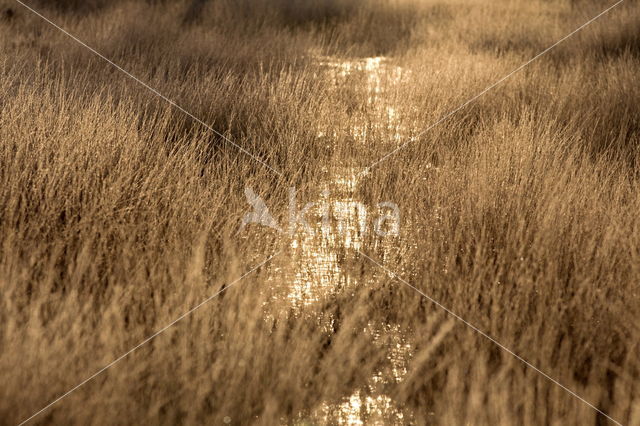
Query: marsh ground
x=519 y=213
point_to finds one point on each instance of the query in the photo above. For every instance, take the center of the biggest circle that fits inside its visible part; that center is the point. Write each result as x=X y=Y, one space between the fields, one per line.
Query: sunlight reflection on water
x=375 y=75
x=319 y=263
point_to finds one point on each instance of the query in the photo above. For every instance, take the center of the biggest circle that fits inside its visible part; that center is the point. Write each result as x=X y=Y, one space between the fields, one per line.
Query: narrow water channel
x=318 y=262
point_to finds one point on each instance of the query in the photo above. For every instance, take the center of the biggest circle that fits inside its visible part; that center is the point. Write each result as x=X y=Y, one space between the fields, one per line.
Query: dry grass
x=118 y=213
